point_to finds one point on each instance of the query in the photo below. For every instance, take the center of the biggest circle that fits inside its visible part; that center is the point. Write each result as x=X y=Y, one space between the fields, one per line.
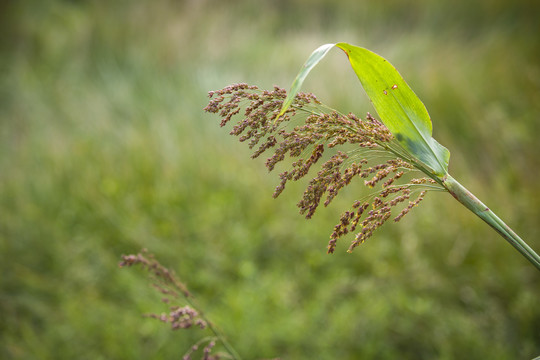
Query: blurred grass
x=105 y=149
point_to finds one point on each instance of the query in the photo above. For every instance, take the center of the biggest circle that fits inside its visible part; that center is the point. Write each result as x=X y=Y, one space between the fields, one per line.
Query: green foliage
x=104 y=149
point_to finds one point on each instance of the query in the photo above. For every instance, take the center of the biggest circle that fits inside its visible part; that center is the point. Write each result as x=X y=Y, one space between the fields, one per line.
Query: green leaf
x=397 y=105
x=313 y=60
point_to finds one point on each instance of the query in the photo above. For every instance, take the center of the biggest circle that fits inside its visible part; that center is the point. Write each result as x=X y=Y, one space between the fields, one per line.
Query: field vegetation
x=105 y=149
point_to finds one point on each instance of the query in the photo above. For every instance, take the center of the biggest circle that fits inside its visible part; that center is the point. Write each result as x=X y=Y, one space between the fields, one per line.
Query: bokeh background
x=105 y=150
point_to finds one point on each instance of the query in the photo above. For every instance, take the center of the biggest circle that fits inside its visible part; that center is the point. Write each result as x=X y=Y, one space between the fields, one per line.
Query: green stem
x=472 y=203
x=217 y=333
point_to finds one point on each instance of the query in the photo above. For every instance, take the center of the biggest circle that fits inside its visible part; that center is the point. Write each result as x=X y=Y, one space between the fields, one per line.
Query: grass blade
x=398 y=107
x=310 y=63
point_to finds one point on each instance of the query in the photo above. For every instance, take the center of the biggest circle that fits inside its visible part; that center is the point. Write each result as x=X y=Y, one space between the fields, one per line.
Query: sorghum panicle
x=179 y=317
x=322 y=129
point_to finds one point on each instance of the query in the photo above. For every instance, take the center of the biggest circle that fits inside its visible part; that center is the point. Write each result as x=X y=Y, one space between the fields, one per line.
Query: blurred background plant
x=105 y=149
x=183 y=311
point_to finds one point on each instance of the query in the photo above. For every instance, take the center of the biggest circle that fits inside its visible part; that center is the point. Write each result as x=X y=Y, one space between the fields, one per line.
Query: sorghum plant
x=187 y=316
x=387 y=154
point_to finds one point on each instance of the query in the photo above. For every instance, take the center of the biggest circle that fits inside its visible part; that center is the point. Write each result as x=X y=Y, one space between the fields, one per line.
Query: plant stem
x=472 y=203
x=217 y=333
x=224 y=341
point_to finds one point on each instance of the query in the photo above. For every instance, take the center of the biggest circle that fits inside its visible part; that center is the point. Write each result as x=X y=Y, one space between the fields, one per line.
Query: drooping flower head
x=361 y=150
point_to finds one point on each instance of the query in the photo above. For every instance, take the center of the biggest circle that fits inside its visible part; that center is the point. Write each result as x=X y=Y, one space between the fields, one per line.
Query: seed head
x=306 y=142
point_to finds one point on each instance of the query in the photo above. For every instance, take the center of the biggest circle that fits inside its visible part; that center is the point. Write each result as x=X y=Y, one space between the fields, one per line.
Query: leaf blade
x=310 y=63
x=398 y=107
